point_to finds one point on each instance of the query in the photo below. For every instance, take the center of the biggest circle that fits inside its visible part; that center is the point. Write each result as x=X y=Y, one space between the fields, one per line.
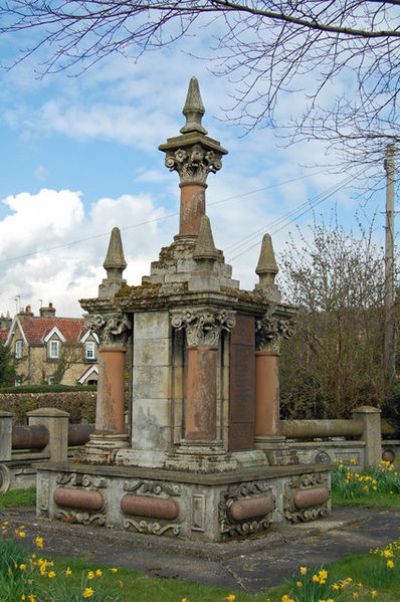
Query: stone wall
x=81 y=405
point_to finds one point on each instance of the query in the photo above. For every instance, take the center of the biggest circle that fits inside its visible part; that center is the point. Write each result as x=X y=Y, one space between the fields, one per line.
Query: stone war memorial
x=200 y=455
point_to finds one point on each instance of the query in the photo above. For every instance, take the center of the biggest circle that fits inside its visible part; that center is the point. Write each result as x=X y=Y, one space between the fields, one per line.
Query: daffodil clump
x=351 y=484
x=34 y=578
x=385 y=565
x=318 y=586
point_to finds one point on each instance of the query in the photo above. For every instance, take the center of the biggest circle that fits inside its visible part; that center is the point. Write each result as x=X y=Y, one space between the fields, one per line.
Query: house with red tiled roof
x=49 y=349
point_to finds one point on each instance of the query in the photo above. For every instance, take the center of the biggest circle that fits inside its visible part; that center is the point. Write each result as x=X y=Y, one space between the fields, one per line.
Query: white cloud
x=52 y=249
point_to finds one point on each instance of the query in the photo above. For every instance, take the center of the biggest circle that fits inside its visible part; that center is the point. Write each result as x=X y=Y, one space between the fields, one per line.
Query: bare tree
x=267 y=47
x=334 y=362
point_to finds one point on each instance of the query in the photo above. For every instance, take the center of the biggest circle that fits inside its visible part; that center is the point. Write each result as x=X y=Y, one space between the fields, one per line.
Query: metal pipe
x=29 y=437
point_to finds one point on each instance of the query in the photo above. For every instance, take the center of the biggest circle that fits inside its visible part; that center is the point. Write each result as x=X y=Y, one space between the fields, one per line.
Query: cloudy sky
x=79 y=156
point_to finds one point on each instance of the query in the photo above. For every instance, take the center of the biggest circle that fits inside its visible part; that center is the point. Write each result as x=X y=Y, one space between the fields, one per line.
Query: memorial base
x=187 y=505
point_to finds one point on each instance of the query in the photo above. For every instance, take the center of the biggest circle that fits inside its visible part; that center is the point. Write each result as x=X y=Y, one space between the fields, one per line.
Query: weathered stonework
x=201 y=455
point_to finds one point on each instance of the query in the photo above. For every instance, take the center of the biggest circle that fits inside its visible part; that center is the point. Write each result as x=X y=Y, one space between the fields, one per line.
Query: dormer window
x=90 y=350
x=19 y=345
x=54 y=349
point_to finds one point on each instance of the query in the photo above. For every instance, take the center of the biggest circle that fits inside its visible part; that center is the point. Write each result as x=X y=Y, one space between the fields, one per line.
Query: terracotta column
x=113 y=330
x=193 y=207
x=269 y=332
x=203 y=328
x=267 y=394
x=201 y=394
x=110 y=411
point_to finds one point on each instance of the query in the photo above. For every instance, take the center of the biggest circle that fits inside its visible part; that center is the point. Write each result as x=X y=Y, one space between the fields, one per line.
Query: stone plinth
x=199 y=507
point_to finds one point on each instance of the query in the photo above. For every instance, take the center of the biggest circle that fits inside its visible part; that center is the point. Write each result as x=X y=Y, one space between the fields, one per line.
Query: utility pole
x=389 y=341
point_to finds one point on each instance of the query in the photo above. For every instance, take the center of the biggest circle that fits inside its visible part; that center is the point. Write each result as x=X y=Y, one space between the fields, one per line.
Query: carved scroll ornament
x=193 y=164
x=203 y=327
x=271 y=329
x=112 y=329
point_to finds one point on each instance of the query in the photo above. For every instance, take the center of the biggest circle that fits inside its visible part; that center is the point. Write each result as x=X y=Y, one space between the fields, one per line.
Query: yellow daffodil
x=231 y=598
x=68 y=572
x=303 y=570
x=390 y=564
x=88 y=592
x=39 y=542
x=99 y=572
x=91 y=575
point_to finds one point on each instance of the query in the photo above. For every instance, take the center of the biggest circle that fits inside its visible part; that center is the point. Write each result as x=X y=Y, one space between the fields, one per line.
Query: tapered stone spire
x=193 y=155
x=267 y=269
x=205 y=247
x=114 y=264
x=193 y=109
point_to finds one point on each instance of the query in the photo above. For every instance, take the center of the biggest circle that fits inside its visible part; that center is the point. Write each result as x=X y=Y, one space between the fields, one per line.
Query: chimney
x=28 y=312
x=47 y=312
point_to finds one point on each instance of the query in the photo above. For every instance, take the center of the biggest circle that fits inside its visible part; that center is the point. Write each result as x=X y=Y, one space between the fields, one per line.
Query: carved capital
x=203 y=327
x=193 y=163
x=112 y=329
x=271 y=329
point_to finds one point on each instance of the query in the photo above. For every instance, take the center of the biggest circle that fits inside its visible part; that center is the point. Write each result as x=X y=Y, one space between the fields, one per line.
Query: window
x=50 y=380
x=18 y=381
x=90 y=350
x=54 y=350
x=18 y=349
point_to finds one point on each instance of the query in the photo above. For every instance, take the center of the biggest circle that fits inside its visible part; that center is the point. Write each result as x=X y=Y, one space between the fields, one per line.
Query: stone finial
x=205 y=247
x=267 y=269
x=114 y=264
x=193 y=109
x=267 y=266
x=115 y=259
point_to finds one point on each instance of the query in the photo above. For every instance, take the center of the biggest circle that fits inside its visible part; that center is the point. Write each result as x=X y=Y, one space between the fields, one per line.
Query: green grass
x=370 y=500
x=18 y=497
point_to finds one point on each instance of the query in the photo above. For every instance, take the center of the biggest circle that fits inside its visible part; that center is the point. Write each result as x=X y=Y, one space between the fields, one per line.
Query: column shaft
x=110 y=407
x=201 y=394
x=192 y=208
x=267 y=395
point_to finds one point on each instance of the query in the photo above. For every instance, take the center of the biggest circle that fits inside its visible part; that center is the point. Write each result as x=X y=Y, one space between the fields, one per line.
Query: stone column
x=372 y=436
x=203 y=328
x=6 y=420
x=56 y=422
x=110 y=432
x=269 y=332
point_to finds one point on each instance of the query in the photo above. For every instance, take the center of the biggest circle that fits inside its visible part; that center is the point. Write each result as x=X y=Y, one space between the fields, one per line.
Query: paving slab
x=251 y=565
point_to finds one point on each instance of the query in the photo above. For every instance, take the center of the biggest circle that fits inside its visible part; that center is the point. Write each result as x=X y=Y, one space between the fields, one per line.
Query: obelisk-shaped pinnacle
x=267 y=263
x=115 y=259
x=193 y=109
x=205 y=247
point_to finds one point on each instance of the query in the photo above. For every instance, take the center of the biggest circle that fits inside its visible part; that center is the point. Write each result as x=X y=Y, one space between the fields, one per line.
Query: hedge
x=80 y=404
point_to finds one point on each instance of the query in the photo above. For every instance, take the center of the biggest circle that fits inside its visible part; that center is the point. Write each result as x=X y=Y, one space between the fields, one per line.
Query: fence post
x=6 y=420
x=56 y=422
x=372 y=436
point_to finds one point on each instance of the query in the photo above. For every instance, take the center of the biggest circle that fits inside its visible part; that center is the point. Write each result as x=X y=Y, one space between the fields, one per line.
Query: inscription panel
x=242 y=384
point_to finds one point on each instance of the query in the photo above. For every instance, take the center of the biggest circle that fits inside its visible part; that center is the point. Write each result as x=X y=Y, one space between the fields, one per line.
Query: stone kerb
x=56 y=422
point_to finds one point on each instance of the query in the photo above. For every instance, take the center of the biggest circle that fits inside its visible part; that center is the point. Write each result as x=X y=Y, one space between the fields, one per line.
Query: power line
x=292 y=219
x=150 y=221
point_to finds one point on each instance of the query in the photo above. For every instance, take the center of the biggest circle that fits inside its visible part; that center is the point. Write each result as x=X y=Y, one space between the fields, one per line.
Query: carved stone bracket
x=203 y=327
x=193 y=163
x=310 y=483
x=82 y=518
x=230 y=527
x=154 y=528
x=271 y=329
x=152 y=487
x=81 y=480
x=112 y=329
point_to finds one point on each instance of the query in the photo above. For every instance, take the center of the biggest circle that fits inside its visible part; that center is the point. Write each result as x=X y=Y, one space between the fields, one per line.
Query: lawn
x=37 y=578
